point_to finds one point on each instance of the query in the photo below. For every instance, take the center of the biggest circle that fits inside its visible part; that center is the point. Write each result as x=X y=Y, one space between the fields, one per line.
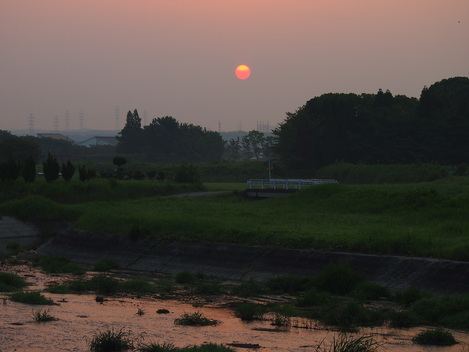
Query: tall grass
x=426 y=219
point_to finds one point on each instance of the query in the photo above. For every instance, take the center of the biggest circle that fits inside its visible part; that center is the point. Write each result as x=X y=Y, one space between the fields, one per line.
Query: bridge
x=267 y=188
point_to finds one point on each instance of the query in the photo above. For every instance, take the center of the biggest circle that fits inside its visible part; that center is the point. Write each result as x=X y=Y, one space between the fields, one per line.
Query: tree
x=130 y=138
x=68 y=170
x=51 y=168
x=233 y=149
x=29 y=170
x=9 y=170
x=119 y=161
x=253 y=144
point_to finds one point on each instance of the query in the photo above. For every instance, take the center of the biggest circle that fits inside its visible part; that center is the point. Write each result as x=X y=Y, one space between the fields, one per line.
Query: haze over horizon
x=178 y=57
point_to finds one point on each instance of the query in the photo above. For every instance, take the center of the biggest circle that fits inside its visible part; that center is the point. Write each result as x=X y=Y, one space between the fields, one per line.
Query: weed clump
x=250 y=311
x=112 y=340
x=346 y=343
x=195 y=319
x=58 y=264
x=436 y=337
x=42 y=315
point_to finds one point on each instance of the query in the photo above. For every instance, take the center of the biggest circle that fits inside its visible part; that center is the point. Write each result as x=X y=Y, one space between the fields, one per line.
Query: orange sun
x=243 y=72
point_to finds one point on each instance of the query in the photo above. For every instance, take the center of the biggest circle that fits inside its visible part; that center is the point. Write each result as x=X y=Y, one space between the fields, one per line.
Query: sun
x=243 y=71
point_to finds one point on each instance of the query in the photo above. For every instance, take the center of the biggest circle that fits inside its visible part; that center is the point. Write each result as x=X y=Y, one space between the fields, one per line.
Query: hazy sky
x=177 y=57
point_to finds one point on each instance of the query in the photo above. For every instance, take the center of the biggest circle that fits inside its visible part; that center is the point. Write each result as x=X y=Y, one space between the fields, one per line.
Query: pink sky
x=177 y=57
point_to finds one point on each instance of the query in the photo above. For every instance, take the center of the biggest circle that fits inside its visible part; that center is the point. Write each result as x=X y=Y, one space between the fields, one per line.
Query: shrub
x=85 y=174
x=151 y=174
x=111 y=341
x=187 y=174
x=137 y=286
x=313 y=297
x=249 y=288
x=138 y=175
x=103 y=284
x=11 y=282
x=194 y=319
x=436 y=337
x=42 y=315
x=345 y=343
x=29 y=170
x=60 y=289
x=32 y=297
x=250 y=311
x=184 y=277
x=51 y=168
x=57 y=264
x=105 y=265
x=287 y=284
x=370 y=291
x=9 y=170
x=68 y=170
x=338 y=279
x=119 y=161
x=409 y=296
x=402 y=320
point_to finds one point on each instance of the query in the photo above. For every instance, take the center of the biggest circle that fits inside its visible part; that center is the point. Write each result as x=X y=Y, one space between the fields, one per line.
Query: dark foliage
x=51 y=168
x=68 y=170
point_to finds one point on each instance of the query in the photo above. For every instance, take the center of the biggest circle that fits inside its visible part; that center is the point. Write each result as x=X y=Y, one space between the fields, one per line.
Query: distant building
x=99 y=140
x=56 y=136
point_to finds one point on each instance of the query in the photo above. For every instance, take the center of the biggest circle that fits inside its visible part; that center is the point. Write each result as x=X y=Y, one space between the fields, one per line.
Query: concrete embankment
x=234 y=262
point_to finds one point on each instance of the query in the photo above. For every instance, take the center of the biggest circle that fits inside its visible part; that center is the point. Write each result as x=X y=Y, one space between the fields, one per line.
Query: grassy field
x=424 y=219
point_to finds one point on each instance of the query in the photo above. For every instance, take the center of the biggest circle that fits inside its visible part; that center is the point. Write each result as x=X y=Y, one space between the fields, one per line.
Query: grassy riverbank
x=425 y=219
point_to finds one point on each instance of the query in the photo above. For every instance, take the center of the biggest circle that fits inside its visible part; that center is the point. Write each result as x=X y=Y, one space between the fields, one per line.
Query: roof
x=99 y=140
x=56 y=136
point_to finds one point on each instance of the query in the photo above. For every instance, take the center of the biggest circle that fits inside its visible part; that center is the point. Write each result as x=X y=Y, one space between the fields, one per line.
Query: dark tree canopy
x=378 y=128
x=167 y=140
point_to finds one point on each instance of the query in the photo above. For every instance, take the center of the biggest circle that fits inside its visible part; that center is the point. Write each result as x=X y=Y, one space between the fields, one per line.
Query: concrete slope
x=234 y=262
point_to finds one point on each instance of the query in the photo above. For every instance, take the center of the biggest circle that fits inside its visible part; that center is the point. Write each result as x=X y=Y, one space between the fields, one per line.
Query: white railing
x=286 y=183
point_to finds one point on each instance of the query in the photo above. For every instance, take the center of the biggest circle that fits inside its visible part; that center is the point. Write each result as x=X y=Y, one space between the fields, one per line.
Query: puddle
x=80 y=317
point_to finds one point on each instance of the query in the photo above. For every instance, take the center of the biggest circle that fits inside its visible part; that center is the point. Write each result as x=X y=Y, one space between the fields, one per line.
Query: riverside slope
x=236 y=262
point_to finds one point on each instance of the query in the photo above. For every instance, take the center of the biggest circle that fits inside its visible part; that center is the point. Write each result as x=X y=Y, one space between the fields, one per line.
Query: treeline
x=167 y=140
x=378 y=128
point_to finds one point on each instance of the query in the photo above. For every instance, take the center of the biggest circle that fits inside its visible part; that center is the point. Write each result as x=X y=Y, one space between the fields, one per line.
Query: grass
x=426 y=219
x=58 y=264
x=32 y=297
x=169 y=347
x=112 y=340
x=194 y=319
x=435 y=337
x=11 y=282
x=347 y=343
x=106 y=264
x=42 y=315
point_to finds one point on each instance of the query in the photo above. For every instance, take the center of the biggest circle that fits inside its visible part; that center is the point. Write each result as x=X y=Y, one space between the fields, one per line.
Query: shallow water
x=80 y=317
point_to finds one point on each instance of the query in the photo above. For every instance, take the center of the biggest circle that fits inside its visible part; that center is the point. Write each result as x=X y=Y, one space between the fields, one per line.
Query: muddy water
x=80 y=317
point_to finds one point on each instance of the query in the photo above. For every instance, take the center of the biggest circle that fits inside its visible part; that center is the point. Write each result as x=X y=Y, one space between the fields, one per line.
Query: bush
x=57 y=264
x=250 y=311
x=185 y=277
x=402 y=320
x=103 y=284
x=370 y=291
x=338 y=279
x=10 y=282
x=9 y=170
x=105 y=265
x=51 y=168
x=313 y=297
x=194 y=319
x=249 y=288
x=111 y=341
x=409 y=296
x=187 y=174
x=68 y=170
x=32 y=297
x=29 y=170
x=137 y=286
x=435 y=337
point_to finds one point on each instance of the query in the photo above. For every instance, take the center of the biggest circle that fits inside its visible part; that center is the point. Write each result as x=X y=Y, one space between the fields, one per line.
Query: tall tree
x=130 y=137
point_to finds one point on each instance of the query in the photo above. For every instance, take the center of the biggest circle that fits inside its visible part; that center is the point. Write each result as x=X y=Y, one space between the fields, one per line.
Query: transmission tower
x=55 y=122
x=81 y=120
x=31 y=123
x=67 y=120
x=117 y=117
